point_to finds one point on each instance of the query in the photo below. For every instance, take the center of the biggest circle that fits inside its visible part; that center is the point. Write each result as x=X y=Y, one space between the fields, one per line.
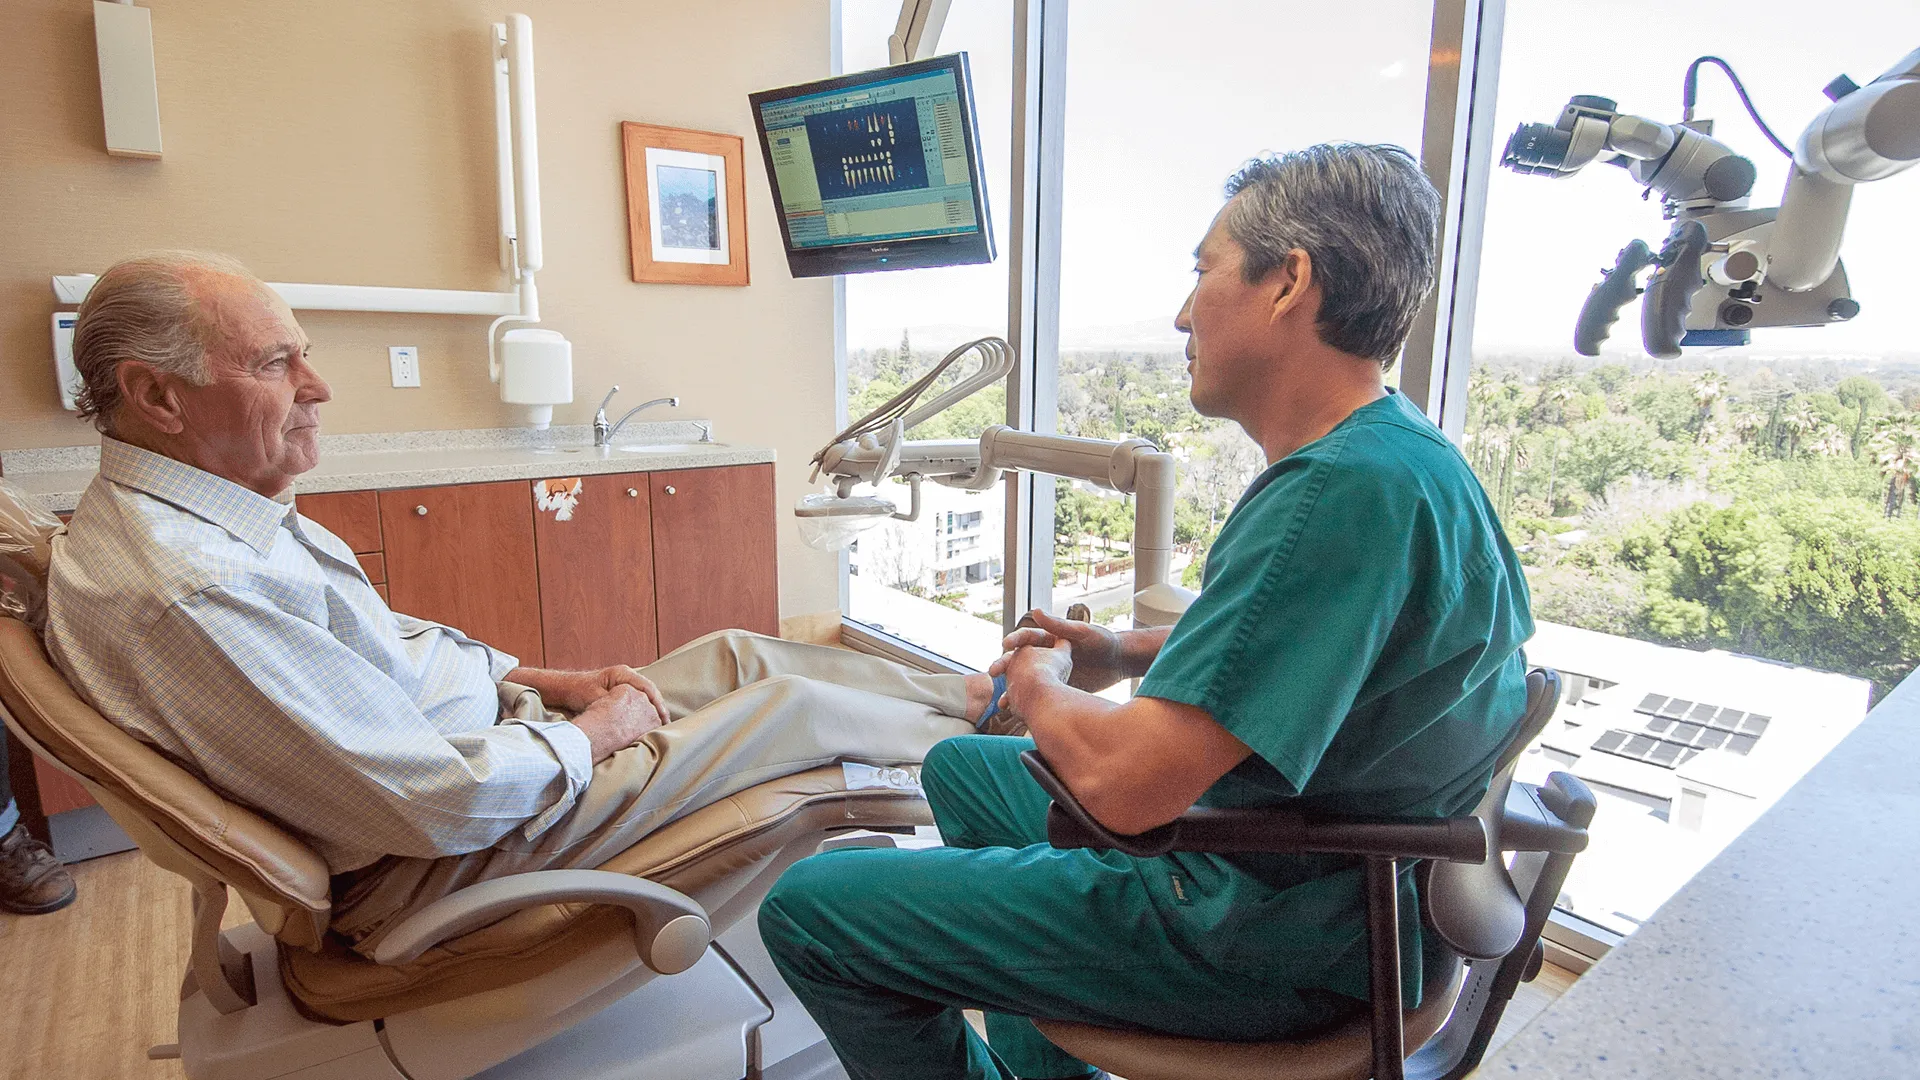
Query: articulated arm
x=670 y=929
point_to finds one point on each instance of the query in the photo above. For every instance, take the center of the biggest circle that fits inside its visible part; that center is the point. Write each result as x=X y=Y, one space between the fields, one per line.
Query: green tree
x=1863 y=395
x=1606 y=450
x=1670 y=405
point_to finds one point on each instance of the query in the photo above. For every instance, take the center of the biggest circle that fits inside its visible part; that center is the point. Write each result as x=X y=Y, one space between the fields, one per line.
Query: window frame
x=1456 y=148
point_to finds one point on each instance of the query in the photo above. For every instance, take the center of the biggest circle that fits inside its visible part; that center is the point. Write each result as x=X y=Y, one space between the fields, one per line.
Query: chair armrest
x=1552 y=817
x=1265 y=830
x=670 y=929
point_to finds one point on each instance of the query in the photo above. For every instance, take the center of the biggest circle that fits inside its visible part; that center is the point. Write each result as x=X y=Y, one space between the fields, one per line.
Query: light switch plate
x=405 y=360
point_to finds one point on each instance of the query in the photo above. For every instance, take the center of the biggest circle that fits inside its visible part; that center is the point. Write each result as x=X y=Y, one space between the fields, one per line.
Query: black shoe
x=32 y=881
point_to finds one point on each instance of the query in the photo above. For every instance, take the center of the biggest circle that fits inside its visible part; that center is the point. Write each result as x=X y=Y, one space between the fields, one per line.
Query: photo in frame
x=686 y=205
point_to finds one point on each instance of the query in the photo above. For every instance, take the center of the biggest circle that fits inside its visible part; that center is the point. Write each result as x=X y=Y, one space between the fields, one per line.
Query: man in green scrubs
x=1355 y=648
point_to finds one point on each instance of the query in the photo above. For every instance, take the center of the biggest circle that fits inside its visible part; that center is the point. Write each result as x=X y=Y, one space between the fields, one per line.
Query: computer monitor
x=877 y=171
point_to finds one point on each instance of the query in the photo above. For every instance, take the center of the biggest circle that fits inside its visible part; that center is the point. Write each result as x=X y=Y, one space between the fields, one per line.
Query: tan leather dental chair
x=608 y=972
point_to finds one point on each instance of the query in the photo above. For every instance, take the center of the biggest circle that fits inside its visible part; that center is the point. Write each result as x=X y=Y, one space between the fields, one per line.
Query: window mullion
x=1033 y=292
x=1456 y=150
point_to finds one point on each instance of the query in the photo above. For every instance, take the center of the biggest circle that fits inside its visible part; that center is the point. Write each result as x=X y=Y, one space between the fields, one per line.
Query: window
x=1159 y=112
x=900 y=324
x=1719 y=547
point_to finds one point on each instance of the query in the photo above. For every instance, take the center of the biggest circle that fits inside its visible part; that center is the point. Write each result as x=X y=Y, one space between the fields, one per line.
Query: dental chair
x=649 y=966
x=1488 y=913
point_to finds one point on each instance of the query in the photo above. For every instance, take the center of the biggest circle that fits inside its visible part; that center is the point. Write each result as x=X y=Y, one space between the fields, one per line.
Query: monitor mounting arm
x=917 y=35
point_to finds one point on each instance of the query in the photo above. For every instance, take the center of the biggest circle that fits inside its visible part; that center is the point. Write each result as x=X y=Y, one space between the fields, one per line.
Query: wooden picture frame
x=686 y=205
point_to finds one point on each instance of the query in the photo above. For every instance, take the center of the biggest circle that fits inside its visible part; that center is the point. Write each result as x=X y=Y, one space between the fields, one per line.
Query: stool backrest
x=1475 y=908
x=180 y=822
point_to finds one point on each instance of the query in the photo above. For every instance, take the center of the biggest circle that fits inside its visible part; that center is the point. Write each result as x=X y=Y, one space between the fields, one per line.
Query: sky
x=1165 y=101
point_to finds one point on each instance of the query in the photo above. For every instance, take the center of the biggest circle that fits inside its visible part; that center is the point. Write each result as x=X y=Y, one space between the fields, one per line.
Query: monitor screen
x=878 y=170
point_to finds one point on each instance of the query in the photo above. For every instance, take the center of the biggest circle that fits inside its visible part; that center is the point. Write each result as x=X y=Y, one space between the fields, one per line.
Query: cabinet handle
x=420 y=510
x=633 y=493
x=670 y=490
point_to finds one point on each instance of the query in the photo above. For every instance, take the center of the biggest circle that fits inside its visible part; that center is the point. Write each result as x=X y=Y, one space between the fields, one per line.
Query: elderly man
x=1355 y=648
x=193 y=606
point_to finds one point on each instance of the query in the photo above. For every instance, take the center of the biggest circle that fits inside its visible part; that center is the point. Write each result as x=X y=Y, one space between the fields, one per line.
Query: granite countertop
x=57 y=476
x=1790 y=955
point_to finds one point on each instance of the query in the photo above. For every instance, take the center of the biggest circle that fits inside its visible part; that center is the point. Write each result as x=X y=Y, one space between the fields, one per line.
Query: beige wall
x=351 y=142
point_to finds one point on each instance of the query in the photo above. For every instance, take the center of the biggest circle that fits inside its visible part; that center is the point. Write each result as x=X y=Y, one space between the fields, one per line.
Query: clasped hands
x=614 y=706
x=1052 y=653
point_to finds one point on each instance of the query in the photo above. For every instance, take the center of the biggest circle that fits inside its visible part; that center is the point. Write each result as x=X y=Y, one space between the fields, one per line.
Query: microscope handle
x=1616 y=289
x=1663 y=317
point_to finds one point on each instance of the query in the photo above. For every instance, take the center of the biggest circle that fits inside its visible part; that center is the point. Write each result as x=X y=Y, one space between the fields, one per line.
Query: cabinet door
x=353 y=516
x=714 y=565
x=596 y=571
x=463 y=555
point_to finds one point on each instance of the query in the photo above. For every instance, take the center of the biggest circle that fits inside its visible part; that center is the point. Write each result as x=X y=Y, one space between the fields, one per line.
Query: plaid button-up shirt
x=243 y=641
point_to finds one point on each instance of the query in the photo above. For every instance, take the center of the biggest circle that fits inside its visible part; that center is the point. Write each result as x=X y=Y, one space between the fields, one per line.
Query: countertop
x=416 y=459
x=1792 y=954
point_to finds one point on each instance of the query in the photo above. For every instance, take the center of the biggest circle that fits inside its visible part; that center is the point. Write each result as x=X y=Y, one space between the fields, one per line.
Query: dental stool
x=1488 y=912
x=602 y=973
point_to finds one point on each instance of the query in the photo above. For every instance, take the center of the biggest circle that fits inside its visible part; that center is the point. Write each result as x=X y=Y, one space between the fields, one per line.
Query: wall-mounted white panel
x=129 y=89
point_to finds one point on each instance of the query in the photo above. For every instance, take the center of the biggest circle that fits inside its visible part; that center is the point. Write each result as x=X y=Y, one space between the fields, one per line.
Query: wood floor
x=85 y=991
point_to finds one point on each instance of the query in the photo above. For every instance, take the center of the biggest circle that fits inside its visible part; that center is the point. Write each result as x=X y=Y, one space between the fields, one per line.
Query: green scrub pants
x=885 y=947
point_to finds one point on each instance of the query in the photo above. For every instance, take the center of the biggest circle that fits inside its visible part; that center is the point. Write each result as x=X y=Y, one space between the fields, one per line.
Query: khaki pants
x=747 y=709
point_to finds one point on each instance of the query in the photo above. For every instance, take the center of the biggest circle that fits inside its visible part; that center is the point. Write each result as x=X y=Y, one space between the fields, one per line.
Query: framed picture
x=686 y=205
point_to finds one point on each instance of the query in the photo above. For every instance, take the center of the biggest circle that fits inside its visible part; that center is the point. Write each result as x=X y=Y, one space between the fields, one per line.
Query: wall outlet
x=405 y=360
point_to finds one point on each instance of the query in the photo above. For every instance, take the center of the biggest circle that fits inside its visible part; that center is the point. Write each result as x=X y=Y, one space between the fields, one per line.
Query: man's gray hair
x=1368 y=218
x=143 y=309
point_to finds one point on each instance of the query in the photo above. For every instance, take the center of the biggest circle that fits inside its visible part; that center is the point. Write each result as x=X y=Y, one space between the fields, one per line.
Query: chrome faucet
x=604 y=432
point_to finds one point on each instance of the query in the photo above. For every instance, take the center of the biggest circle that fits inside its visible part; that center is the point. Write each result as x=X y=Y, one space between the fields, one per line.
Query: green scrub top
x=1359 y=627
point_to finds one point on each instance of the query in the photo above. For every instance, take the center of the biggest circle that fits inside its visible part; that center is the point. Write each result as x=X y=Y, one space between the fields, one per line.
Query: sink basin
x=669 y=447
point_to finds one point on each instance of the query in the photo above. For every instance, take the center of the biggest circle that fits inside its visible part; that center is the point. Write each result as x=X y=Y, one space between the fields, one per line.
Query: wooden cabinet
x=714 y=552
x=353 y=516
x=463 y=555
x=596 y=570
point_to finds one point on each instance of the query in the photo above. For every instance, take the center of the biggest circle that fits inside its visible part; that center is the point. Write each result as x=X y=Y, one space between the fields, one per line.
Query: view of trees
x=1763 y=507
x=1102 y=395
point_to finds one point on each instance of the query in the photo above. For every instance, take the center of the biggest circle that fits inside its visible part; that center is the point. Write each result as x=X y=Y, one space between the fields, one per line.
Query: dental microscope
x=1727 y=268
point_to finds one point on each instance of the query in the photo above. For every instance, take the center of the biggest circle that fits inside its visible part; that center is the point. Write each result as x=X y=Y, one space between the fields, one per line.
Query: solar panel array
x=1677 y=730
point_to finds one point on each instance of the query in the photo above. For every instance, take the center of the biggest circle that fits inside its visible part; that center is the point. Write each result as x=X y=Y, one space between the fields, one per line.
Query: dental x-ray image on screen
x=877 y=171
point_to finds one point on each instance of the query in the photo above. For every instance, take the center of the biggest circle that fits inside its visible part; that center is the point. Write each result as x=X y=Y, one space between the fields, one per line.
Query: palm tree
x=1798 y=422
x=1707 y=389
x=1896 y=449
x=1832 y=442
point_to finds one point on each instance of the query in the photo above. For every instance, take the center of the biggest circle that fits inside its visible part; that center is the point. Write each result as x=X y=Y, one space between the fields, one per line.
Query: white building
x=956 y=543
x=1684 y=750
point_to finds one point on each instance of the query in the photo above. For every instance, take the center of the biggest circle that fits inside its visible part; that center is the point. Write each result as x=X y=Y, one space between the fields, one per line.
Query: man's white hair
x=143 y=309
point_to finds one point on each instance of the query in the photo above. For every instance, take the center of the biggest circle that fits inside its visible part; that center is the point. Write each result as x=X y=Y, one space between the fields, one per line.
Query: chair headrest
x=26 y=534
x=159 y=803
x=26 y=531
